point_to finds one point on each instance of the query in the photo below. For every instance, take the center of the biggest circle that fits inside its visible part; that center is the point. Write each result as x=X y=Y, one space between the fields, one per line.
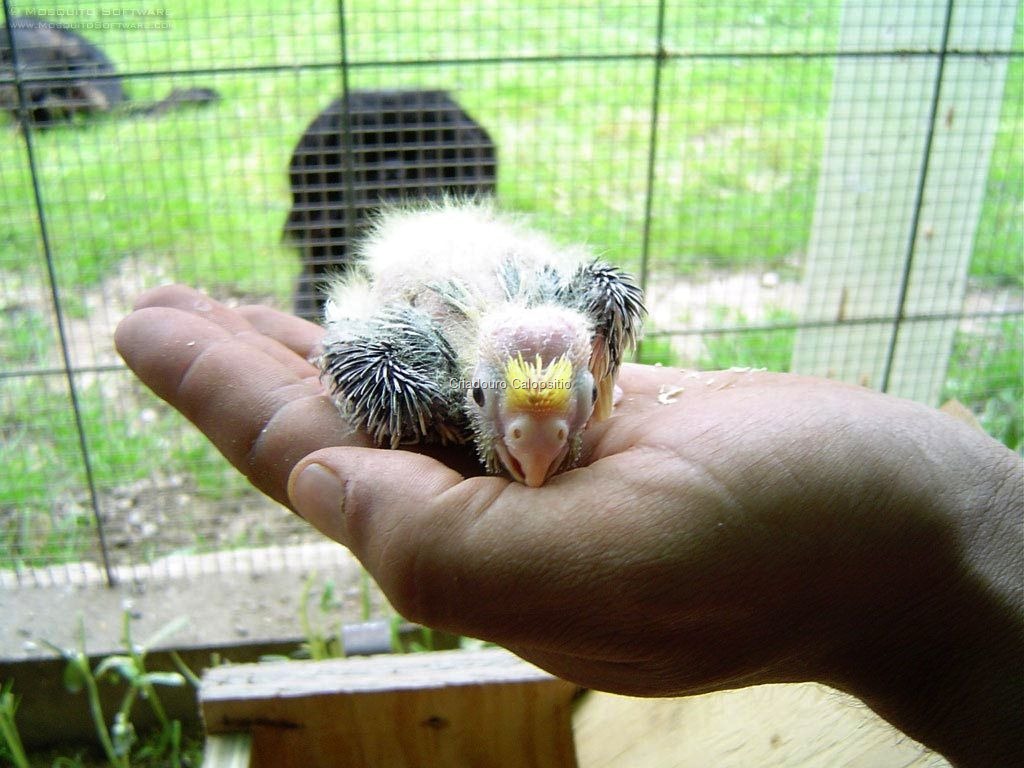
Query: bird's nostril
x=517 y=433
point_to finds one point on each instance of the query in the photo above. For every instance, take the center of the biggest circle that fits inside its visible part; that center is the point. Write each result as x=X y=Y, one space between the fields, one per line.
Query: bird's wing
x=390 y=374
x=614 y=303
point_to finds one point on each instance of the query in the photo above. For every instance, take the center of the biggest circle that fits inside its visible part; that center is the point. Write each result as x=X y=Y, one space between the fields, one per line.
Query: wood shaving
x=667 y=394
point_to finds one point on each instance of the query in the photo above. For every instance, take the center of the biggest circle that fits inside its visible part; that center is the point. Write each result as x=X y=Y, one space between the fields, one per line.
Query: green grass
x=203 y=193
x=45 y=513
x=199 y=196
x=771 y=349
x=111 y=196
x=759 y=347
x=26 y=336
x=998 y=255
x=986 y=374
x=657 y=350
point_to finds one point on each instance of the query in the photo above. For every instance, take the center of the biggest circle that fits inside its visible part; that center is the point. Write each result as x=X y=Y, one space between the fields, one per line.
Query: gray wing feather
x=391 y=375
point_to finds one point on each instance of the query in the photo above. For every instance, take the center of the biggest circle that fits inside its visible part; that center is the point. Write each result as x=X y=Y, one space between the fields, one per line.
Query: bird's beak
x=534 y=446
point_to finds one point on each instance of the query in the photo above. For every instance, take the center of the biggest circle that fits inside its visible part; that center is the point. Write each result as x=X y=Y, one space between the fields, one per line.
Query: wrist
x=941 y=655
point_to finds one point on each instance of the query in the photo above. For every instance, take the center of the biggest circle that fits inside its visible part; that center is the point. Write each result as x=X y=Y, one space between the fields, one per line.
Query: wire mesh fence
x=828 y=187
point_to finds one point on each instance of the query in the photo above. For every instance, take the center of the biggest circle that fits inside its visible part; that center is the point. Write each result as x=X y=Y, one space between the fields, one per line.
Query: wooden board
x=458 y=708
x=770 y=726
x=881 y=146
x=489 y=708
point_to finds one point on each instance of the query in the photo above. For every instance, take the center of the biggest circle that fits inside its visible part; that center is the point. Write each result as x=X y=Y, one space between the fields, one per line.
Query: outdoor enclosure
x=832 y=187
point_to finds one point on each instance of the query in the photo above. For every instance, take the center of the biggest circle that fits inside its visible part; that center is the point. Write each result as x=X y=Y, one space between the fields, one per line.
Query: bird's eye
x=478 y=395
x=593 y=394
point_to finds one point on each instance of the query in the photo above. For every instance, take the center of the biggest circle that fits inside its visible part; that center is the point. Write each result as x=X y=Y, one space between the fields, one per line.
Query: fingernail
x=318 y=495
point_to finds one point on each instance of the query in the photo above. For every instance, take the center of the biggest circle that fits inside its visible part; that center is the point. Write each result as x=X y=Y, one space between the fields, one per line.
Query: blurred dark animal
x=369 y=148
x=85 y=81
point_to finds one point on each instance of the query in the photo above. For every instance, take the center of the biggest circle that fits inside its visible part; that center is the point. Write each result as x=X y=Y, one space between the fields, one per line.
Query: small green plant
x=319 y=644
x=12 y=745
x=119 y=737
x=365 y=595
x=423 y=640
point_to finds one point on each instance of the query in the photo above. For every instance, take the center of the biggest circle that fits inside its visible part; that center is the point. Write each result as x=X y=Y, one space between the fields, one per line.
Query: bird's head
x=533 y=392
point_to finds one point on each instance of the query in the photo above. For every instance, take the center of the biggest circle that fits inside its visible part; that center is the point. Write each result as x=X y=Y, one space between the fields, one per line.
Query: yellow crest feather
x=532 y=387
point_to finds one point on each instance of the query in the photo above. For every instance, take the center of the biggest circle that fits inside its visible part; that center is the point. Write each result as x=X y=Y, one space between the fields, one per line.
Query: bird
x=460 y=323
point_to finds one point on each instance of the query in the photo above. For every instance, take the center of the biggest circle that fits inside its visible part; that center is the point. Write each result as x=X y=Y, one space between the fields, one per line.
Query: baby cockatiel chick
x=457 y=323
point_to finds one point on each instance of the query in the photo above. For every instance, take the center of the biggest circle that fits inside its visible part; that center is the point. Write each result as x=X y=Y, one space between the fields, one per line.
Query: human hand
x=760 y=528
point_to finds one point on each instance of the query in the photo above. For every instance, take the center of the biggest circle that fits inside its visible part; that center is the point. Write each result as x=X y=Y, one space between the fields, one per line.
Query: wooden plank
x=454 y=708
x=770 y=726
x=970 y=103
x=230 y=750
x=874 y=160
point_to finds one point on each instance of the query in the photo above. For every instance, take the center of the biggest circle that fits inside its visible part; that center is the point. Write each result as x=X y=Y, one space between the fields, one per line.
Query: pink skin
x=533 y=445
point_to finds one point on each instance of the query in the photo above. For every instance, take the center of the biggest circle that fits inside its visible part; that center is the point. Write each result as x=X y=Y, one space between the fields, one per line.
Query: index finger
x=300 y=336
x=259 y=403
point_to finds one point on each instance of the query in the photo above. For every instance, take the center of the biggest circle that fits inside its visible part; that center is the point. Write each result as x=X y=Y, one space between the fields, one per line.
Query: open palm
x=722 y=528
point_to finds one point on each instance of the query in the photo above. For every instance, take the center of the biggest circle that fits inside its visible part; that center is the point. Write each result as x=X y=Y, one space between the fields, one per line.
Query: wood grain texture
x=482 y=708
x=770 y=726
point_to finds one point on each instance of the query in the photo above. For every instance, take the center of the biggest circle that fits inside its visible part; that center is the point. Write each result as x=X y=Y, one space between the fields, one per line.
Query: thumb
x=354 y=495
